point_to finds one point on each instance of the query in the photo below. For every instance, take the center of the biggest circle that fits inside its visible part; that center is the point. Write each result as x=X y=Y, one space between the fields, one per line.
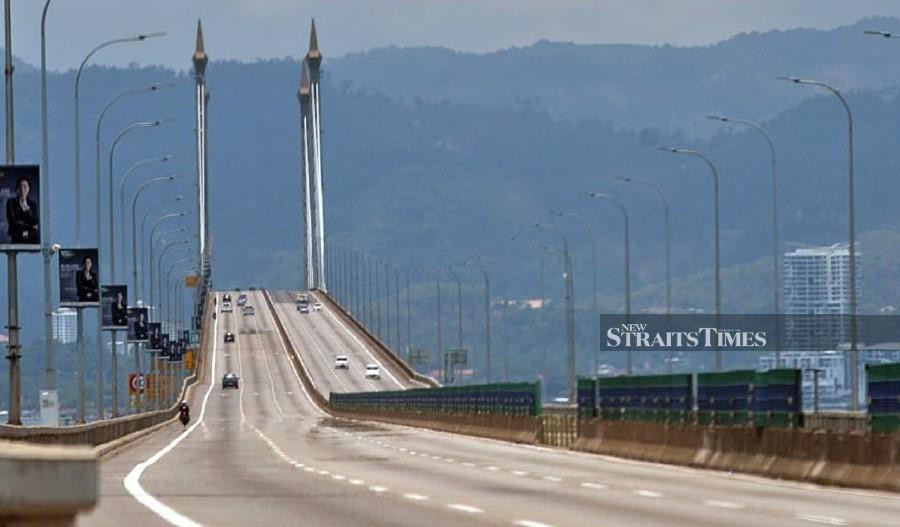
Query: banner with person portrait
x=114 y=307
x=155 y=330
x=79 y=278
x=138 y=325
x=20 y=225
x=164 y=346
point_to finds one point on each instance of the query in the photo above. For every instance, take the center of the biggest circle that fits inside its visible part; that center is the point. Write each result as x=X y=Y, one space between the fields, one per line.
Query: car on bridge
x=373 y=371
x=230 y=380
x=248 y=310
x=342 y=362
x=229 y=337
x=317 y=306
x=226 y=297
x=226 y=307
x=242 y=299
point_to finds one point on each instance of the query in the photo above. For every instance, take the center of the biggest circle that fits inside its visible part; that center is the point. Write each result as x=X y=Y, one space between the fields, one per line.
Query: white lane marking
x=378 y=488
x=465 y=508
x=827 y=520
x=725 y=504
x=415 y=497
x=467 y=464
x=594 y=486
x=529 y=523
x=646 y=493
x=269 y=372
x=363 y=346
x=132 y=481
x=519 y=473
x=323 y=473
x=338 y=477
x=357 y=482
x=493 y=469
x=309 y=469
x=554 y=479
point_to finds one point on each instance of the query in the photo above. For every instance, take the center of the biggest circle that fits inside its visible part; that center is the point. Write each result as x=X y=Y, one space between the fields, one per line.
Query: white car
x=317 y=306
x=342 y=362
x=373 y=371
x=226 y=307
x=248 y=310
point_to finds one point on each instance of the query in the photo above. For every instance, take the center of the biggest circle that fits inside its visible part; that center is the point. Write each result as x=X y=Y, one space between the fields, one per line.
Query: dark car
x=230 y=380
x=226 y=298
x=242 y=299
x=229 y=337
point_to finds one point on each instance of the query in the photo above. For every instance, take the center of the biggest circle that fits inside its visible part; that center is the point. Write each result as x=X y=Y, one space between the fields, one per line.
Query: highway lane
x=265 y=455
x=323 y=336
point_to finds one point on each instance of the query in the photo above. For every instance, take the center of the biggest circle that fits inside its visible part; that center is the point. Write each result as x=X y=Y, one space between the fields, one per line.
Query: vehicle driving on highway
x=226 y=307
x=317 y=306
x=342 y=362
x=229 y=337
x=373 y=371
x=248 y=310
x=230 y=380
x=226 y=297
x=242 y=299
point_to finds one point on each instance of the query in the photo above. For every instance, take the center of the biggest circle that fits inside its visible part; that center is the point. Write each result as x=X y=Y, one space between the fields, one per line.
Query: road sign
x=136 y=383
x=419 y=356
x=458 y=356
x=189 y=360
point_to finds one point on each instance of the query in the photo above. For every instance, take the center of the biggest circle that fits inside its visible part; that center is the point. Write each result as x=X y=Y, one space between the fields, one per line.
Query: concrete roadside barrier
x=46 y=485
x=840 y=459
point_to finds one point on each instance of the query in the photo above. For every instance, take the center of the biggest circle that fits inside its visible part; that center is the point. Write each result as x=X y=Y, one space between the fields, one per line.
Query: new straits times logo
x=640 y=335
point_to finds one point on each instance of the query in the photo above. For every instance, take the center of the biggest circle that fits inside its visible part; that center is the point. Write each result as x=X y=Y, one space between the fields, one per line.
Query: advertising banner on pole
x=138 y=330
x=79 y=279
x=20 y=227
x=114 y=306
x=164 y=346
x=155 y=329
x=189 y=360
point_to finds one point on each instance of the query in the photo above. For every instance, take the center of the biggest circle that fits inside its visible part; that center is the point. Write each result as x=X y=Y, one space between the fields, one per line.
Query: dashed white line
x=465 y=508
x=529 y=523
x=553 y=479
x=725 y=504
x=467 y=464
x=338 y=477
x=378 y=488
x=415 y=497
x=826 y=520
x=356 y=482
x=519 y=473
x=493 y=469
x=594 y=486
x=646 y=493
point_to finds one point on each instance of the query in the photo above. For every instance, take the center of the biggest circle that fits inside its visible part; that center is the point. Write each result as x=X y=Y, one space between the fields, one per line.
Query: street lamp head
x=145 y=36
x=715 y=117
x=623 y=179
x=173 y=177
x=598 y=195
x=795 y=80
x=668 y=149
x=885 y=34
x=556 y=213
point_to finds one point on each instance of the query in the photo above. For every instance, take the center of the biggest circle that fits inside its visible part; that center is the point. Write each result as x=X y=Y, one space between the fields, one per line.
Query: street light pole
x=134 y=202
x=570 y=312
x=594 y=264
x=49 y=371
x=851 y=217
x=488 y=357
x=437 y=285
x=122 y=187
x=776 y=275
x=15 y=394
x=715 y=176
x=621 y=207
x=159 y=221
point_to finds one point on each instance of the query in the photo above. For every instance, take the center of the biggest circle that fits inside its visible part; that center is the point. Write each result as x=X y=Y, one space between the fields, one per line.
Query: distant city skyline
x=247 y=30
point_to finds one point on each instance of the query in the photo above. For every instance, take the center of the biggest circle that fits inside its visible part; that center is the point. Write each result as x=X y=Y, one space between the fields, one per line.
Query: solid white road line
x=529 y=523
x=132 y=480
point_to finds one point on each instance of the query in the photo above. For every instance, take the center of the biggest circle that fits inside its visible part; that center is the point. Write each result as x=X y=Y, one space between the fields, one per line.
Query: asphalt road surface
x=265 y=455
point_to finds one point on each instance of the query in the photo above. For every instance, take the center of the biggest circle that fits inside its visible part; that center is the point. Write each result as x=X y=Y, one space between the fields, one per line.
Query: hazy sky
x=249 y=29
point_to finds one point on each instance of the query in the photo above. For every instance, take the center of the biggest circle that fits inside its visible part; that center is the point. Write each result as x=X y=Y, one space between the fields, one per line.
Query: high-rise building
x=64 y=323
x=817 y=297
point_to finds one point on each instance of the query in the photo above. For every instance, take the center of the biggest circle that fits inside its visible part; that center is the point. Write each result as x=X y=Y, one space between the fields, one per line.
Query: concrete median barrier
x=46 y=486
x=851 y=460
